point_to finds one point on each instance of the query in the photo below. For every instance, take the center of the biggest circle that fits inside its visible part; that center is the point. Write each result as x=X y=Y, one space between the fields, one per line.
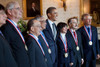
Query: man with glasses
x=14 y=36
x=75 y=40
x=36 y=52
x=6 y=57
x=89 y=41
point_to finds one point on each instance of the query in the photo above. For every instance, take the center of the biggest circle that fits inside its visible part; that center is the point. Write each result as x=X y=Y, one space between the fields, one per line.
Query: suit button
x=45 y=59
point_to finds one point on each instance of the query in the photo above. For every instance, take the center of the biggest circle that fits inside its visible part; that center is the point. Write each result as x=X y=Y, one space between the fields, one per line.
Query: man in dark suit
x=44 y=42
x=33 y=11
x=35 y=49
x=14 y=35
x=76 y=42
x=89 y=41
x=6 y=57
x=51 y=33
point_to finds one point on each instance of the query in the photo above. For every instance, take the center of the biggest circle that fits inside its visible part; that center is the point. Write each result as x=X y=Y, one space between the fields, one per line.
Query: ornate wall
x=73 y=8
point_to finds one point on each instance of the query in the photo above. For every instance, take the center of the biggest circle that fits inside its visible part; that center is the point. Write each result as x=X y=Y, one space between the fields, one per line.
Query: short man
x=14 y=35
x=35 y=49
x=6 y=57
x=89 y=41
x=51 y=33
x=76 y=43
x=44 y=42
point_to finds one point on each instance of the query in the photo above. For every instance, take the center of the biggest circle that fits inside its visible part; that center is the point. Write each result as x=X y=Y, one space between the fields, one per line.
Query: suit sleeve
x=97 y=43
x=31 y=52
x=2 y=61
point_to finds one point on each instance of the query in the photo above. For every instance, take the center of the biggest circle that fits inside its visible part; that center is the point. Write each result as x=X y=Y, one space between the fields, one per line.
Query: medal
x=66 y=55
x=77 y=48
x=90 y=43
x=49 y=50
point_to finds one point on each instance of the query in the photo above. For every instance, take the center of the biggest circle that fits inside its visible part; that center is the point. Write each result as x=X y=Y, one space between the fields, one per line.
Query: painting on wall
x=93 y=8
x=31 y=8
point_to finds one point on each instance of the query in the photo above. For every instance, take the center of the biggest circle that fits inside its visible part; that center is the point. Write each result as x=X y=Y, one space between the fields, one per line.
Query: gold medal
x=49 y=50
x=77 y=48
x=90 y=43
x=66 y=55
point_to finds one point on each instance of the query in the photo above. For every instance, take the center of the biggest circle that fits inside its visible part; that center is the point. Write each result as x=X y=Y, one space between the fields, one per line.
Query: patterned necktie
x=54 y=30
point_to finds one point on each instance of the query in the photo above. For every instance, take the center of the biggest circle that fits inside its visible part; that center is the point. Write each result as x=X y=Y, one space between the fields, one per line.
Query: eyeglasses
x=43 y=21
x=88 y=18
x=18 y=8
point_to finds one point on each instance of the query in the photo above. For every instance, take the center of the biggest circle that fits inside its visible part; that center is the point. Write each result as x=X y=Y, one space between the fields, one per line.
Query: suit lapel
x=49 y=29
x=84 y=32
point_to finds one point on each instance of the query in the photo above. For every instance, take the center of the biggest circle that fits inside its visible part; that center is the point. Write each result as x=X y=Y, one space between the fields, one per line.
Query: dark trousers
x=91 y=63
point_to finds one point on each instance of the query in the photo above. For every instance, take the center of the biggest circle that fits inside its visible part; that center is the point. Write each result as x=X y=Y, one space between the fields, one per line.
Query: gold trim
x=25 y=11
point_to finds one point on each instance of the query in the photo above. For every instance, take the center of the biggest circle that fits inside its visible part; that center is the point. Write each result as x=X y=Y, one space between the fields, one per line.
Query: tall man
x=14 y=35
x=89 y=41
x=36 y=51
x=51 y=33
x=6 y=58
x=76 y=42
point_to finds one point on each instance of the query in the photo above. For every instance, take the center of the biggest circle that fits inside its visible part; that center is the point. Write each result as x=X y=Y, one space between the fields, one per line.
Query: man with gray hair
x=14 y=36
x=89 y=41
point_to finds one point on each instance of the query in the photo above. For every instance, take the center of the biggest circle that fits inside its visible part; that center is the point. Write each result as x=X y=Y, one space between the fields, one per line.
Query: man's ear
x=32 y=28
x=9 y=12
x=49 y=15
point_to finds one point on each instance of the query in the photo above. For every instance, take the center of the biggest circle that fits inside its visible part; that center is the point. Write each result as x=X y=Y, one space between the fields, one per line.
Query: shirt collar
x=15 y=24
x=87 y=26
x=50 y=22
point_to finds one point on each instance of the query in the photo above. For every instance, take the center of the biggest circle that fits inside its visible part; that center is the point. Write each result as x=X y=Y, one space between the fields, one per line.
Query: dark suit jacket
x=32 y=13
x=36 y=56
x=6 y=58
x=90 y=52
x=61 y=52
x=52 y=43
x=17 y=45
x=78 y=55
x=47 y=55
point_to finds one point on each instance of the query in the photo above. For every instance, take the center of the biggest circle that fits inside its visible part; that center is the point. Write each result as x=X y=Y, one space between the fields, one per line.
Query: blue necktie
x=88 y=30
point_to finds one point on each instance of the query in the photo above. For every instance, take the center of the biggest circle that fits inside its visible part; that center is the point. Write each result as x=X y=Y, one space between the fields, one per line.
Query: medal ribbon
x=90 y=36
x=75 y=37
x=65 y=44
x=17 y=30
x=44 y=40
x=38 y=43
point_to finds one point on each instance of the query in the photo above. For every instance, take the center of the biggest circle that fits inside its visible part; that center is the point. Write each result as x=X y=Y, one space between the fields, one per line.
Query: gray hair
x=11 y=5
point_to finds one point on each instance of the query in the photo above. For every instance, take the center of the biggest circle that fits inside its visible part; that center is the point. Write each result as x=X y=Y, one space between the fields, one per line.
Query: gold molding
x=25 y=10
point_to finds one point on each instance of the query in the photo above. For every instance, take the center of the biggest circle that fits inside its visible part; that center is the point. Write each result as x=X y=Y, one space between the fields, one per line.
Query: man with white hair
x=14 y=36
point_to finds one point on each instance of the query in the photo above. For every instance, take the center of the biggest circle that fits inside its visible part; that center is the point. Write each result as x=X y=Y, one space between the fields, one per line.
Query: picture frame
x=92 y=6
x=27 y=8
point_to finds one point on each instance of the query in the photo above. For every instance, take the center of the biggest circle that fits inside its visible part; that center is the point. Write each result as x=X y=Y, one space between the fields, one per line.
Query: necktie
x=88 y=30
x=74 y=34
x=54 y=30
